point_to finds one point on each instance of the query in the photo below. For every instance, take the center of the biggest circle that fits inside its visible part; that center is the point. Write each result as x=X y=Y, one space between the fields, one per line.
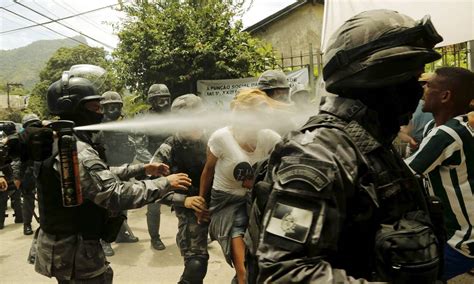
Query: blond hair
x=254 y=100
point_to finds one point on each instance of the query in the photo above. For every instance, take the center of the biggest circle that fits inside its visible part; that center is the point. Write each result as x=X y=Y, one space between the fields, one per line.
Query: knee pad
x=195 y=270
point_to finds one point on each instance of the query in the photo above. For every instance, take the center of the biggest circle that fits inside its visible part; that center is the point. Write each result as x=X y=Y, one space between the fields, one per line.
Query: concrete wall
x=295 y=31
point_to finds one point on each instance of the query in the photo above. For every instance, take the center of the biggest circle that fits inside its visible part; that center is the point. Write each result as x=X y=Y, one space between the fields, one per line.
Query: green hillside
x=22 y=65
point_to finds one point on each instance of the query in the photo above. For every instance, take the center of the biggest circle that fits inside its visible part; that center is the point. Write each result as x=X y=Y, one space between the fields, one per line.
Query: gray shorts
x=240 y=224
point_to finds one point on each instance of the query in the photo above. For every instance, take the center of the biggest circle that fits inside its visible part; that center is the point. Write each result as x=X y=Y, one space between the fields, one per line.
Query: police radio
x=69 y=163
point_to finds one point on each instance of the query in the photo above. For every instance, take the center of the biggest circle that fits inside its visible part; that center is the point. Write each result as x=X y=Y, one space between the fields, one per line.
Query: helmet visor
x=95 y=74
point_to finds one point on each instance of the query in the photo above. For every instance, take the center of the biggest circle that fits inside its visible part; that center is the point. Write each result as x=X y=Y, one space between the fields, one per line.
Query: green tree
x=62 y=60
x=180 y=42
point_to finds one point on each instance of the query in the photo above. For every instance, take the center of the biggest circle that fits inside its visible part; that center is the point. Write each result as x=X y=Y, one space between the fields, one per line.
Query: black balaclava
x=394 y=105
x=160 y=104
x=83 y=117
x=112 y=111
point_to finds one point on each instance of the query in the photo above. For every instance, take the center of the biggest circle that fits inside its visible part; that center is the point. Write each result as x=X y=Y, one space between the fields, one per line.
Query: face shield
x=95 y=74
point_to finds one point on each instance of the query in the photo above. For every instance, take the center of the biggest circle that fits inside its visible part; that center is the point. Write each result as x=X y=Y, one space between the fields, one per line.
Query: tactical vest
x=87 y=219
x=154 y=142
x=189 y=157
x=118 y=149
x=386 y=192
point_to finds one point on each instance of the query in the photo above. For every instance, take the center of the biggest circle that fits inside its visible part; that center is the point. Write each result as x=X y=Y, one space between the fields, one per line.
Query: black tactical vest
x=87 y=219
x=189 y=157
x=118 y=149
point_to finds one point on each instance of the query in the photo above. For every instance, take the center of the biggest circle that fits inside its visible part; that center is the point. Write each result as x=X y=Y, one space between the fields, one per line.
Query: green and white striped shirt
x=446 y=157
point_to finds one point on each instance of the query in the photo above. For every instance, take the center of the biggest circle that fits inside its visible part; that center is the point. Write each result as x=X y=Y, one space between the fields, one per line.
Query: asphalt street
x=132 y=263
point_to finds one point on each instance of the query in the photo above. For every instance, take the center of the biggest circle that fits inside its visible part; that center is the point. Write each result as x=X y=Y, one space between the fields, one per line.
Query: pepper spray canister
x=69 y=164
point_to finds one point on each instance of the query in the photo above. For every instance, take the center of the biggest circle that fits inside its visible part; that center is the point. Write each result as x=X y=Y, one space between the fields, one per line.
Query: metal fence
x=452 y=55
x=455 y=55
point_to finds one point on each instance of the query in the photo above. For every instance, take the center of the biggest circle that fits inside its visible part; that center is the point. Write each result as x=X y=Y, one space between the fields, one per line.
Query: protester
x=446 y=157
x=232 y=152
x=337 y=204
x=412 y=134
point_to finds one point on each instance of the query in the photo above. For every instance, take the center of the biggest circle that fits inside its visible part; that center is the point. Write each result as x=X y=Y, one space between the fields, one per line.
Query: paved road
x=132 y=263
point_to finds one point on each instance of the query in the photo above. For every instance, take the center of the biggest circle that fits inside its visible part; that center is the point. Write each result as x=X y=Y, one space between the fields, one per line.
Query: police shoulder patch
x=290 y=222
x=94 y=164
x=304 y=173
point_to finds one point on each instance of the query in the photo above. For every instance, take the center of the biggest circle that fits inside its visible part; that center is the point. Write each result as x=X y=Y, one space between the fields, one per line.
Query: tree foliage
x=61 y=61
x=180 y=42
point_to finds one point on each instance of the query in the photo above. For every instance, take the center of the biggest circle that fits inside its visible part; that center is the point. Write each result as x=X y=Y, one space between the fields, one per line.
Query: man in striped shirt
x=446 y=157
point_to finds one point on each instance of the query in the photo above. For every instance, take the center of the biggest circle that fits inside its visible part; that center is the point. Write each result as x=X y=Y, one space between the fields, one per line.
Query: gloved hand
x=38 y=142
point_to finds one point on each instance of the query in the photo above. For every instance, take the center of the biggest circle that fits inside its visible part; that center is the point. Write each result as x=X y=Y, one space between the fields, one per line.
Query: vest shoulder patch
x=304 y=173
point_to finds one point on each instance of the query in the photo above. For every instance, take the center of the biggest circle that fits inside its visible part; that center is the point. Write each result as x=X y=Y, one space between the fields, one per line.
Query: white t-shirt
x=234 y=164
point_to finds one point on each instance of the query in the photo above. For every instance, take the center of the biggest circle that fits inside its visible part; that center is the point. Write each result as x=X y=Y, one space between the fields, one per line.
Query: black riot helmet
x=378 y=48
x=7 y=127
x=66 y=97
x=376 y=57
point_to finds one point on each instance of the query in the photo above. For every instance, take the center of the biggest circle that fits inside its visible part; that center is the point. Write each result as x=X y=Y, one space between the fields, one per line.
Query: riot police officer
x=10 y=190
x=275 y=84
x=337 y=202
x=25 y=178
x=185 y=152
x=159 y=98
x=68 y=241
x=119 y=149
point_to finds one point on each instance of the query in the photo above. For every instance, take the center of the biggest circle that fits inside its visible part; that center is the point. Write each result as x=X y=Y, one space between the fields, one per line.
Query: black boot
x=126 y=235
x=108 y=250
x=157 y=244
x=27 y=230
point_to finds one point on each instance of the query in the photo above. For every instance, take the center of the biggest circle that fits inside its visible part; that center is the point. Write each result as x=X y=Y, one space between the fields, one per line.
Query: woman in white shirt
x=232 y=152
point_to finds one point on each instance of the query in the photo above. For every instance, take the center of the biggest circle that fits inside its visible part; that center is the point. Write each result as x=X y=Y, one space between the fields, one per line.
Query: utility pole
x=8 y=91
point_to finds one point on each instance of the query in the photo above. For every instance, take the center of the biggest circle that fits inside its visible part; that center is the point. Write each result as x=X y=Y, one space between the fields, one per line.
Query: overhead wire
x=70 y=28
x=56 y=20
x=70 y=9
x=54 y=31
x=18 y=23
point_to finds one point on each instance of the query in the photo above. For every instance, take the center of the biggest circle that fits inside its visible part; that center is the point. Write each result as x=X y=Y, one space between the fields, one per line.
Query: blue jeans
x=455 y=263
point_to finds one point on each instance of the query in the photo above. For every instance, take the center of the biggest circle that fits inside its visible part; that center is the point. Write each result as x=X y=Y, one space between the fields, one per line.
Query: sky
x=96 y=25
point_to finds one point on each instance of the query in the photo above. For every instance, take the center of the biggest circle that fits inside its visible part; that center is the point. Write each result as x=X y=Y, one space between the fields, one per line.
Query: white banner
x=453 y=19
x=220 y=92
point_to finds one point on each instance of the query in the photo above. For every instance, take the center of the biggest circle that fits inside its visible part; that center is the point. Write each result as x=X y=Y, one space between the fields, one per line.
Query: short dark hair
x=460 y=81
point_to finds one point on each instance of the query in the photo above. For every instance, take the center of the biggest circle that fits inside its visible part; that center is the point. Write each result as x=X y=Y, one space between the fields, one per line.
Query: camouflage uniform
x=74 y=256
x=118 y=149
x=13 y=193
x=145 y=146
x=187 y=156
x=334 y=188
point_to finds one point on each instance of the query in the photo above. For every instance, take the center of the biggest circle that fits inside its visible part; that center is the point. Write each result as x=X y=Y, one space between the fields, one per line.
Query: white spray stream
x=156 y=124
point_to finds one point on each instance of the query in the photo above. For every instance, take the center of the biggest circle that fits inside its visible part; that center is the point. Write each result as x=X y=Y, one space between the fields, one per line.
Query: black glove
x=38 y=142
